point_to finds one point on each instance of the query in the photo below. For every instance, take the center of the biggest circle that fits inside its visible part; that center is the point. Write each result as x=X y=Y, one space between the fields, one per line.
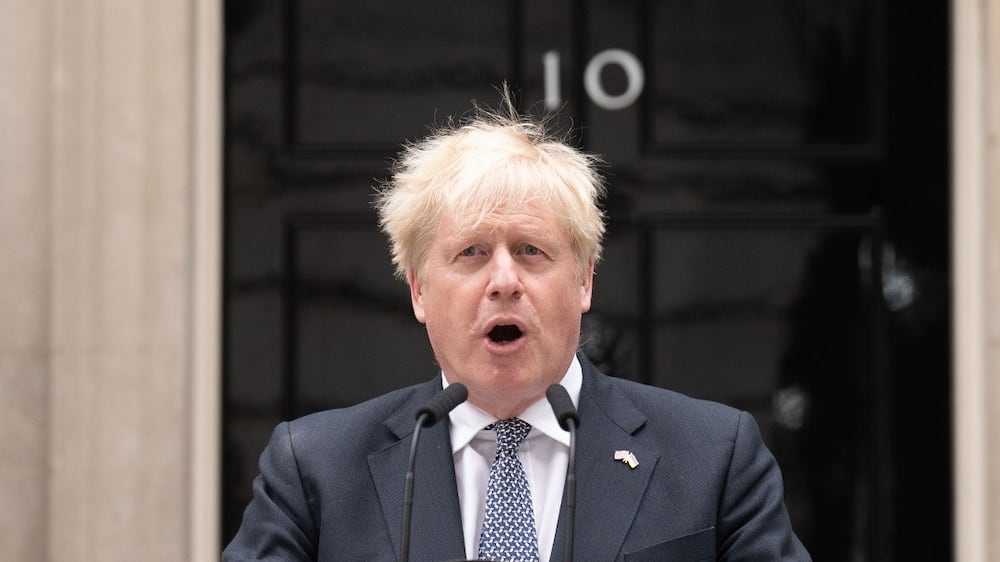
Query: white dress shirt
x=544 y=455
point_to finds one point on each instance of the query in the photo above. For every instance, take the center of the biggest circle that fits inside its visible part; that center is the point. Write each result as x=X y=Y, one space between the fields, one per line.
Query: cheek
x=444 y=309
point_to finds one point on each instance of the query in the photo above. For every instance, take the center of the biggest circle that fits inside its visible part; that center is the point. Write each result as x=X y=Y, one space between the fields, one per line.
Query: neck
x=503 y=409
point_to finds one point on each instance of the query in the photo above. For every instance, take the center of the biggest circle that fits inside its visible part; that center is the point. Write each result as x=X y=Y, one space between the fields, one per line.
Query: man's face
x=502 y=303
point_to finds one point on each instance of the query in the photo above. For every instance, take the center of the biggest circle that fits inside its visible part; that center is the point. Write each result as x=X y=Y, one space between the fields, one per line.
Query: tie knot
x=510 y=433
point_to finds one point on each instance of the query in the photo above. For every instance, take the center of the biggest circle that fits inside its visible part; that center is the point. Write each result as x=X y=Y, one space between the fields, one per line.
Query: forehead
x=529 y=218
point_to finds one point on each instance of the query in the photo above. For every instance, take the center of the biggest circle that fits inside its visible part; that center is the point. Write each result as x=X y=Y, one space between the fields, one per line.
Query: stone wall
x=976 y=286
x=109 y=235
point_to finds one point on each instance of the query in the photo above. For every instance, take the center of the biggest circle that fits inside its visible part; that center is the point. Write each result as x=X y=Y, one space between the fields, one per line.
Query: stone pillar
x=109 y=269
x=992 y=271
x=976 y=251
x=24 y=276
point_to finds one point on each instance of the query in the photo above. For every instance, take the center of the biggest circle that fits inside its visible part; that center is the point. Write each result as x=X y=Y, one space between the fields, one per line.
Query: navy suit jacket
x=706 y=488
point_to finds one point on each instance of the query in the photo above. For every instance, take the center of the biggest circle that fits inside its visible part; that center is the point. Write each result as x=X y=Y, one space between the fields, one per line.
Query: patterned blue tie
x=509 y=526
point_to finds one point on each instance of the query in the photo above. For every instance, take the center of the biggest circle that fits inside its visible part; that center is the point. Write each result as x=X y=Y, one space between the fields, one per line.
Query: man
x=496 y=228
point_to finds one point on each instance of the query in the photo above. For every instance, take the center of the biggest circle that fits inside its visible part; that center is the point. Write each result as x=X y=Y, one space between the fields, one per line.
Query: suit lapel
x=436 y=529
x=608 y=491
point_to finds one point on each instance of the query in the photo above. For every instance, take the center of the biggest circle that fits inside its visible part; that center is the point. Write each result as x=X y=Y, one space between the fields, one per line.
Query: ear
x=587 y=288
x=416 y=295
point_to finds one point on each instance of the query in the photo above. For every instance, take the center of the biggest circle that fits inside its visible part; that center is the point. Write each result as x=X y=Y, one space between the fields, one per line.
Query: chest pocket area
x=696 y=547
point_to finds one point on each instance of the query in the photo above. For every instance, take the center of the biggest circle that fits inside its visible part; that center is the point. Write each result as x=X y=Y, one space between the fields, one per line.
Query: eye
x=469 y=252
x=530 y=250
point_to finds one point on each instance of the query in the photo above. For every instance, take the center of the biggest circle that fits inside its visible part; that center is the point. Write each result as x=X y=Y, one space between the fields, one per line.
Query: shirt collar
x=467 y=420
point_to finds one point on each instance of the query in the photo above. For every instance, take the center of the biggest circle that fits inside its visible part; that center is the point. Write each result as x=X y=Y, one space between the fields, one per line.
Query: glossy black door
x=777 y=238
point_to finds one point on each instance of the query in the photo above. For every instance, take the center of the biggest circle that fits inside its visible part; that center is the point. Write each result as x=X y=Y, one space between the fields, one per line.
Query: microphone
x=562 y=407
x=443 y=402
x=427 y=415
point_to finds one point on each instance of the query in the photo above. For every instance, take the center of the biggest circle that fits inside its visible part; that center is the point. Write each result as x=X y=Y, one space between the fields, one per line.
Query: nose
x=505 y=279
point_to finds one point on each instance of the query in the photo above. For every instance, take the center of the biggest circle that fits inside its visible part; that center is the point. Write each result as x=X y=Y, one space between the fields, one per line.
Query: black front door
x=778 y=235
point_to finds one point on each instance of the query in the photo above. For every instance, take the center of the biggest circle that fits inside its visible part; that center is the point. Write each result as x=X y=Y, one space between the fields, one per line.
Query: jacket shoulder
x=362 y=426
x=655 y=408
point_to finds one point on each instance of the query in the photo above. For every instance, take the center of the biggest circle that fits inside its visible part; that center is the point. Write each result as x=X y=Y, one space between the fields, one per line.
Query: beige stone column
x=109 y=279
x=24 y=277
x=976 y=250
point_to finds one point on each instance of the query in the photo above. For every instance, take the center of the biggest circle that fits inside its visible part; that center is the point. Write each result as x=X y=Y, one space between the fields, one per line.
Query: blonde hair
x=491 y=162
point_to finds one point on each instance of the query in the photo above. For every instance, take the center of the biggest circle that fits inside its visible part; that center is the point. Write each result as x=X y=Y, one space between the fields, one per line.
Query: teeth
x=501 y=334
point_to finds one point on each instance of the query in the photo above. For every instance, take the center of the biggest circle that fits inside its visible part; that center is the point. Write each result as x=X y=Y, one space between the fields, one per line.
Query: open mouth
x=505 y=333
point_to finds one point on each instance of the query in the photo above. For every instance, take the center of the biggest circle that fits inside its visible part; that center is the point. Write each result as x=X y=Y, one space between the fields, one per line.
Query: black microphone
x=562 y=407
x=427 y=415
x=443 y=402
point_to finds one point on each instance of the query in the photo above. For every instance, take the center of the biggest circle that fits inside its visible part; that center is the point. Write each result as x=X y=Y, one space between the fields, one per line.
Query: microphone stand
x=562 y=407
x=569 y=494
x=404 y=537
x=427 y=415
